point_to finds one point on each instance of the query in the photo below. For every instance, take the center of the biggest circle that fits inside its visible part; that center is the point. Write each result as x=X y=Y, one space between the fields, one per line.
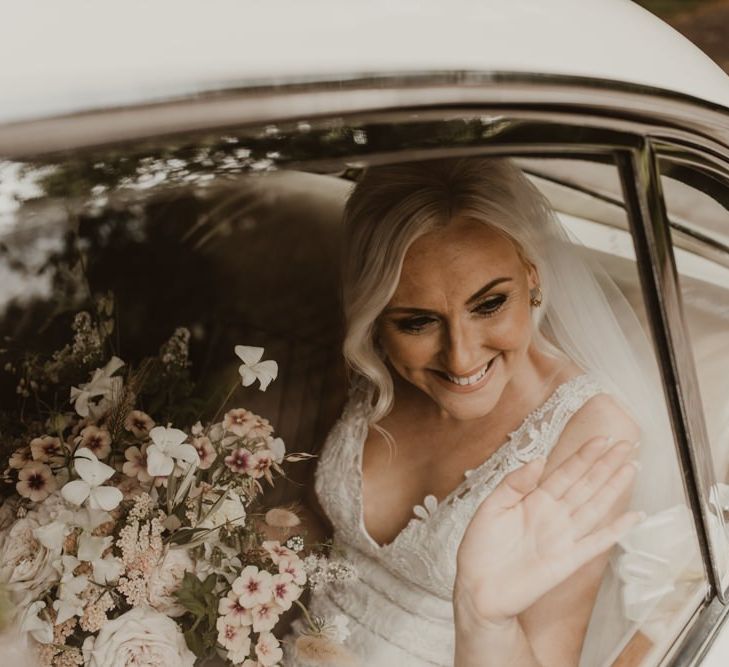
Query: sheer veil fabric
x=585 y=318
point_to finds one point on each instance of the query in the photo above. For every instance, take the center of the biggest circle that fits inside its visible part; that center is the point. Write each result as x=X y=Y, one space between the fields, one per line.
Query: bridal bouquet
x=133 y=541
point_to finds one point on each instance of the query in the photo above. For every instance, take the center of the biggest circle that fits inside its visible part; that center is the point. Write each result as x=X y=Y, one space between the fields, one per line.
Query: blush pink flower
x=235 y=638
x=253 y=586
x=20 y=458
x=139 y=423
x=233 y=610
x=245 y=423
x=260 y=464
x=46 y=448
x=36 y=481
x=277 y=551
x=268 y=650
x=98 y=440
x=285 y=591
x=136 y=464
x=293 y=565
x=265 y=616
x=239 y=461
x=205 y=451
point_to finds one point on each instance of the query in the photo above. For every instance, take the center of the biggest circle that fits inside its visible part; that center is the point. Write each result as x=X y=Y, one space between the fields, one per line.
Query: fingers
x=594 y=510
x=561 y=479
x=597 y=474
x=517 y=484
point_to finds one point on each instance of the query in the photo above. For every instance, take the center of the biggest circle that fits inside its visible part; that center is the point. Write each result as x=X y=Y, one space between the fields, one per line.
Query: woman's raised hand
x=531 y=534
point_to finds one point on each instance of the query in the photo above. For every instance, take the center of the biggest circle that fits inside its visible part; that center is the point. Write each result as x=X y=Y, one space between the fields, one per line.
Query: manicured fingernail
x=636 y=444
x=636 y=464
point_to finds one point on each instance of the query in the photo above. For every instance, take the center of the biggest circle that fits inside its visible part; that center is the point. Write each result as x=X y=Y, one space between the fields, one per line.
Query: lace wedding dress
x=399 y=610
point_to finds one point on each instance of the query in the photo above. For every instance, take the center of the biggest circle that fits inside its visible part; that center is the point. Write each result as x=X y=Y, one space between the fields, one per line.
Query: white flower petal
x=248 y=354
x=278 y=449
x=158 y=463
x=107 y=570
x=76 y=492
x=186 y=453
x=113 y=366
x=105 y=498
x=248 y=377
x=267 y=371
x=90 y=548
x=52 y=535
x=90 y=468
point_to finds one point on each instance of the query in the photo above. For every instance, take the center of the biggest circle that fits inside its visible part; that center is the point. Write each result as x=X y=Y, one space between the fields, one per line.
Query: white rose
x=26 y=566
x=142 y=636
x=166 y=578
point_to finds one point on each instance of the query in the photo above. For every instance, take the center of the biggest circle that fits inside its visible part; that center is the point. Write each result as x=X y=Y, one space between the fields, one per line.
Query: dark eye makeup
x=418 y=323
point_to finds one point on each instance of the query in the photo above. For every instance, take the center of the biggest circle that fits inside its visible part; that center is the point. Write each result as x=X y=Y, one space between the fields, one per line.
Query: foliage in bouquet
x=128 y=536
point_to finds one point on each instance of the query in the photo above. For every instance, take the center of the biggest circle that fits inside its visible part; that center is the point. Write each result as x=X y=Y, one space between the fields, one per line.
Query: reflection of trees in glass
x=238 y=262
x=201 y=161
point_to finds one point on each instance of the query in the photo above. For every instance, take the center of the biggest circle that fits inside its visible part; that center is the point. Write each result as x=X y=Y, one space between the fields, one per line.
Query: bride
x=484 y=464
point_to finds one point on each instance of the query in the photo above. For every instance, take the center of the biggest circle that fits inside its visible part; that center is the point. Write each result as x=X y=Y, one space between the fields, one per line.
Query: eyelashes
x=419 y=323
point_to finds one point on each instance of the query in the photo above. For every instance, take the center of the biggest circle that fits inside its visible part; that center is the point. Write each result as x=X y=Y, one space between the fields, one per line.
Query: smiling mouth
x=467 y=380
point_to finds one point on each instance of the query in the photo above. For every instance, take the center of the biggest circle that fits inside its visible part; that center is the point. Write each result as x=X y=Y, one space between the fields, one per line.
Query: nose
x=464 y=345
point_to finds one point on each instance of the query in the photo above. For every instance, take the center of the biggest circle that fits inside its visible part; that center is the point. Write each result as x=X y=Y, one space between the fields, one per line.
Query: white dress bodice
x=399 y=609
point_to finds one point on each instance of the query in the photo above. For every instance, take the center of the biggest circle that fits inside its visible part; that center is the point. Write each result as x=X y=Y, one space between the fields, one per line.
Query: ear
x=532 y=275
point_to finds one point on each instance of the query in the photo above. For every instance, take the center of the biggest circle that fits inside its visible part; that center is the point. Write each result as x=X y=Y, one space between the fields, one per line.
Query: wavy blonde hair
x=391 y=207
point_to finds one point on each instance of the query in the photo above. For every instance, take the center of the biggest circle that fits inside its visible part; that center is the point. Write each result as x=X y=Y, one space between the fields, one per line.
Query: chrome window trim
x=662 y=293
x=279 y=102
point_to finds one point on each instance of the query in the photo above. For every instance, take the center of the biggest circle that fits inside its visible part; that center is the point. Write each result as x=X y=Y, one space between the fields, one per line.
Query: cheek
x=403 y=350
x=511 y=332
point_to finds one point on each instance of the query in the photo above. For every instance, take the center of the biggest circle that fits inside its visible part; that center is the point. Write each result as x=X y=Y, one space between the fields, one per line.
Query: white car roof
x=61 y=57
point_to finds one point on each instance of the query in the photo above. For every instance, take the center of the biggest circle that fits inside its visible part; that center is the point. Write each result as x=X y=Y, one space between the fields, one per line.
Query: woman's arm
x=532 y=559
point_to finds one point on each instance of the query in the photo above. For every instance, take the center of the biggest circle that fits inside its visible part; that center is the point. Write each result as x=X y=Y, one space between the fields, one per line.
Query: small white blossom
x=253 y=368
x=93 y=474
x=101 y=386
x=168 y=448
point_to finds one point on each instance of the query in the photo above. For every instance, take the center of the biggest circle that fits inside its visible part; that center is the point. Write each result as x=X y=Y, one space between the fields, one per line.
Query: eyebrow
x=474 y=297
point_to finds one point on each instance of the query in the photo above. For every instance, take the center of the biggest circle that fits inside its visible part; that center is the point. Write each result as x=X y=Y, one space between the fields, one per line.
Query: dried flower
x=278 y=517
x=317 y=650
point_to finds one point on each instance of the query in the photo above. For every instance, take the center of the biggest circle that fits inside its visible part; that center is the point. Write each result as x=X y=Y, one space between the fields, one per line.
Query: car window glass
x=699 y=225
x=236 y=238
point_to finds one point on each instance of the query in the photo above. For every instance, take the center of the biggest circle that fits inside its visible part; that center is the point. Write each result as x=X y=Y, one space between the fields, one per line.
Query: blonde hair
x=391 y=207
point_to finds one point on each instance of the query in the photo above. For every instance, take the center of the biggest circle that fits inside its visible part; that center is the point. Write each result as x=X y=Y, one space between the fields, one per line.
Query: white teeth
x=472 y=379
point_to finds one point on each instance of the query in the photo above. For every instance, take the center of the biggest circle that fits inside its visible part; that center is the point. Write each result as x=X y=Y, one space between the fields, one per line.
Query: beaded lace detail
x=402 y=601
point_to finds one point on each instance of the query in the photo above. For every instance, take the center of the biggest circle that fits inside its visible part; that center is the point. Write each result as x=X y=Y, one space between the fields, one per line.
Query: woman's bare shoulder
x=600 y=416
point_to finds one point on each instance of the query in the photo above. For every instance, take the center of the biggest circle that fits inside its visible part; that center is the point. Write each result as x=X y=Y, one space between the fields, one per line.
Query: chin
x=465 y=408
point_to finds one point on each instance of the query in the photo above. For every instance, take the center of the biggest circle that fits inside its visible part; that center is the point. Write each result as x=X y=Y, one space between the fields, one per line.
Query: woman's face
x=459 y=324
